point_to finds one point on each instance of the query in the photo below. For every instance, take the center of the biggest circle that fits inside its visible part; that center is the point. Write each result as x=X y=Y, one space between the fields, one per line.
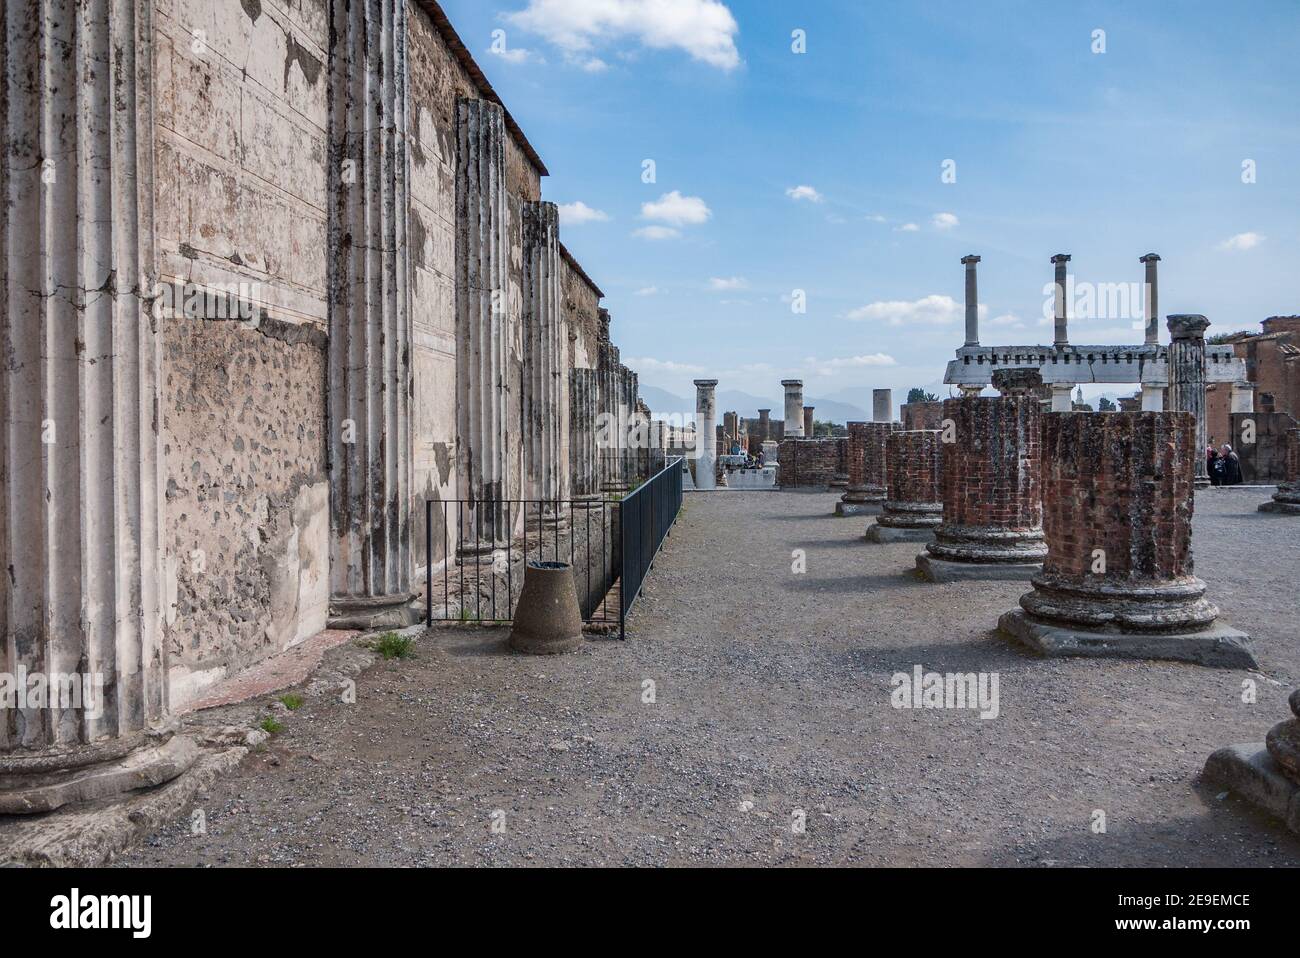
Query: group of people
x=1223 y=466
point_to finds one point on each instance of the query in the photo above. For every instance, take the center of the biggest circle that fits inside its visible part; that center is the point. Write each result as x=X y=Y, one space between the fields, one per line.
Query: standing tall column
x=584 y=406
x=369 y=372
x=793 y=408
x=1118 y=578
x=706 y=427
x=1151 y=300
x=764 y=425
x=808 y=429
x=1059 y=310
x=972 y=301
x=80 y=457
x=992 y=499
x=543 y=322
x=882 y=405
x=1187 y=379
x=482 y=288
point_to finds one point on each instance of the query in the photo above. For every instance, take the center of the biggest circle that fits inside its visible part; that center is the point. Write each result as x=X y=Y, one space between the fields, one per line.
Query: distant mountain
x=662 y=402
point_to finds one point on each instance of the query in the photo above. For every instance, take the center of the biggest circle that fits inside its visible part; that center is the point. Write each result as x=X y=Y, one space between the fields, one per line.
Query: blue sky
x=1104 y=155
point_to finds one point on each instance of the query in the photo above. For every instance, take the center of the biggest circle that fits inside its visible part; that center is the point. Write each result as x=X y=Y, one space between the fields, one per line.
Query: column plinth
x=912 y=507
x=1117 y=512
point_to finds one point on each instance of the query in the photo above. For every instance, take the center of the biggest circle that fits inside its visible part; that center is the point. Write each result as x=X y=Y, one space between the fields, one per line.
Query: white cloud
x=676 y=209
x=929 y=310
x=646 y=291
x=705 y=29
x=1006 y=319
x=853 y=362
x=649 y=364
x=877 y=218
x=944 y=221
x=594 y=65
x=512 y=54
x=656 y=232
x=907 y=228
x=803 y=193
x=733 y=282
x=1242 y=241
x=578 y=212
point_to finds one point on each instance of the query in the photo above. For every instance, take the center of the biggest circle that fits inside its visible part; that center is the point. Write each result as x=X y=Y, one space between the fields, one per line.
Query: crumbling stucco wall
x=239 y=140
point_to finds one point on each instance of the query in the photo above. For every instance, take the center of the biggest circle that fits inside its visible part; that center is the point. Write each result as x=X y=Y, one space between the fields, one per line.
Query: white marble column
x=369 y=371
x=793 y=408
x=482 y=289
x=80 y=361
x=544 y=360
x=706 y=430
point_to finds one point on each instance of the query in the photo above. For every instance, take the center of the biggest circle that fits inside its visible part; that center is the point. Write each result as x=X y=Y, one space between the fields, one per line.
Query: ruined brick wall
x=922 y=415
x=876 y=453
x=247 y=496
x=807 y=462
x=991 y=469
x=240 y=113
x=1120 y=482
x=1260 y=441
x=913 y=465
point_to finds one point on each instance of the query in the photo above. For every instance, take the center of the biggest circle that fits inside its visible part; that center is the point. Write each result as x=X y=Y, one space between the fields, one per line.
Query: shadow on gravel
x=493 y=644
x=975 y=655
x=851 y=583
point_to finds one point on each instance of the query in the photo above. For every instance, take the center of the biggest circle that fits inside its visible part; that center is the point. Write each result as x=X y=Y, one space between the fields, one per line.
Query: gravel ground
x=772 y=694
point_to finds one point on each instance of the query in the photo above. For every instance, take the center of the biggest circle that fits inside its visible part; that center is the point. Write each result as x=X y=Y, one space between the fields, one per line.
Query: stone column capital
x=1061 y=258
x=1187 y=325
x=970 y=260
x=1149 y=258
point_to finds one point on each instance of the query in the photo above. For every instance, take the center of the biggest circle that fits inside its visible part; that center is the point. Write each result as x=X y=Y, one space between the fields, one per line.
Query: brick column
x=992 y=499
x=858 y=497
x=1187 y=378
x=81 y=481
x=913 y=507
x=1287 y=498
x=793 y=408
x=840 y=479
x=1117 y=513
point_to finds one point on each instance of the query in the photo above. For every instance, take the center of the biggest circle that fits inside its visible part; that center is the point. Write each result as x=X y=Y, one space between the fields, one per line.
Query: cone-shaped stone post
x=913 y=507
x=992 y=498
x=1187 y=379
x=793 y=408
x=706 y=428
x=80 y=453
x=1118 y=578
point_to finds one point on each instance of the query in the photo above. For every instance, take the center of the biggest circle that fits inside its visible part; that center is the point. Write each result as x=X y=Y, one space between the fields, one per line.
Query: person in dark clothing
x=1231 y=466
x=1213 y=466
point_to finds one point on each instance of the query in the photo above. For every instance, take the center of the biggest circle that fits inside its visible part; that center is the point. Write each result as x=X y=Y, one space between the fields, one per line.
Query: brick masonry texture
x=808 y=462
x=1121 y=482
x=876 y=453
x=991 y=469
x=915 y=462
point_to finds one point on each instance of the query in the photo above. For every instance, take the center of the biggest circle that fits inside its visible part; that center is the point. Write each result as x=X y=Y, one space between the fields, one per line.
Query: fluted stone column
x=1151 y=299
x=369 y=371
x=882 y=405
x=1287 y=498
x=913 y=507
x=808 y=430
x=482 y=315
x=80 y=458
x=1118 y=579
x=545 y=399
x=1187 y=378
x=992 y=498
x=584 y=406
x=793 y=408
x=972 y=301
x=706 y=427
x=1060 y=310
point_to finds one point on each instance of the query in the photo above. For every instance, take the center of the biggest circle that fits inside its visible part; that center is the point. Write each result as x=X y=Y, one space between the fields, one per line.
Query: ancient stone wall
x=808 y=462
x=914 y=466
x=991 y=466
x=922 y=415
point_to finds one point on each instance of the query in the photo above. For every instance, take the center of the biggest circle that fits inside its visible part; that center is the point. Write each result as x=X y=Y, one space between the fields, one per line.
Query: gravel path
x=772 y=694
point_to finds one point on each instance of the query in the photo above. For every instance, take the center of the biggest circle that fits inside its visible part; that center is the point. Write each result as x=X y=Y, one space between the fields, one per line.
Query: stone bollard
x=992 y=499
x=1117 y=512
x=547 y=619
x=1267 y=773
x=912 y=508
x=1287 y=498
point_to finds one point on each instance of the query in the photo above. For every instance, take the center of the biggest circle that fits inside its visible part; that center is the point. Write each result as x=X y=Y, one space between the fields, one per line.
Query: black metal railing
x=647 y=514
x=478 y=549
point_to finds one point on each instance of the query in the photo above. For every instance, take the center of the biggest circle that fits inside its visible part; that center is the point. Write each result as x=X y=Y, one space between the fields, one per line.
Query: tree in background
x=1105 y=405
x=917 y=394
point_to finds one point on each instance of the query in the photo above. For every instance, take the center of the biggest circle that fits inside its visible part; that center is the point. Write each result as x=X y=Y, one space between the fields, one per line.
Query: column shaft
x=544 y=358
x=1187 y=378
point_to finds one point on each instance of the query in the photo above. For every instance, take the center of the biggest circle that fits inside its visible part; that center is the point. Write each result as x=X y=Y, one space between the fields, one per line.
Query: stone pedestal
x=1118 y=579
x=81 y=476
x=1287 y=498
x=912 y=508
x=992 y=499
x=1267 y=773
